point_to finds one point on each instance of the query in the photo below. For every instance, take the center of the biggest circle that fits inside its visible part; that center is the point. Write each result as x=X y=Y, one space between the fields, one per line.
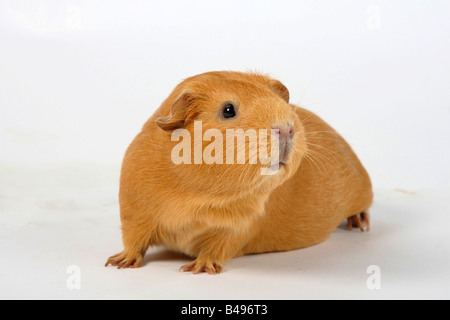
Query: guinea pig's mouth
x=278 y=166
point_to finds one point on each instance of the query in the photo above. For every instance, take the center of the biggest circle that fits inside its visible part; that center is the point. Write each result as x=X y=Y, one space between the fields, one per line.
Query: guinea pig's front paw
x=202 y=265
x=126 y=259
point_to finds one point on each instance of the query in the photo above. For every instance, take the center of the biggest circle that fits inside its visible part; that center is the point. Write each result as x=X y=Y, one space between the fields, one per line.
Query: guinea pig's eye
x=229 y=111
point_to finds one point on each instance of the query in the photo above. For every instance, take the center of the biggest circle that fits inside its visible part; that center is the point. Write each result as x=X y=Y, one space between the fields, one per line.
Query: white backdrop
x=79 y=78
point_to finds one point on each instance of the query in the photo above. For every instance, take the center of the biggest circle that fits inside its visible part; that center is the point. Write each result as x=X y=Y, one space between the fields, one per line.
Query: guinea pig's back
x=329 y=186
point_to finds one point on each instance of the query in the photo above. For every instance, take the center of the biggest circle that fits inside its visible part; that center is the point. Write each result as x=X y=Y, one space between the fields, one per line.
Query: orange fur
x=215 y=212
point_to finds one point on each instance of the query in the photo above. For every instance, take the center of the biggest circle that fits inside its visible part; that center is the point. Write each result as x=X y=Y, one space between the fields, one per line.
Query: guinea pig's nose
x=286 y=131
x=285 y=134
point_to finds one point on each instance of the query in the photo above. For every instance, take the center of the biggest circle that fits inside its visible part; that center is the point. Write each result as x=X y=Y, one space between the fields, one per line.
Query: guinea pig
x=216 y=210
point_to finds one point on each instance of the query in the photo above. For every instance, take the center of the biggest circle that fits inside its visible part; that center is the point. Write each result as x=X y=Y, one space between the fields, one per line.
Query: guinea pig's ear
x=180 y=113
x=279 y=89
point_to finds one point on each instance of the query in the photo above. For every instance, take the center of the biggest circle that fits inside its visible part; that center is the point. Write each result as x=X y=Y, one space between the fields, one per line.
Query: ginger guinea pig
x=182 y=186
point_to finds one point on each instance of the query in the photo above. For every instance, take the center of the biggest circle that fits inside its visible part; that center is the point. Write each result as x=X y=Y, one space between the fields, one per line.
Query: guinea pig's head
x=232 y=133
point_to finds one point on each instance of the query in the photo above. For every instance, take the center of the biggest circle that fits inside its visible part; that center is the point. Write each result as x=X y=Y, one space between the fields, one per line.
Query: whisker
x=327 y=138
x=325 y=158
x=304 y=120
x=315 y=132
x=313 y=156
x=308 y=157
x=322 y=147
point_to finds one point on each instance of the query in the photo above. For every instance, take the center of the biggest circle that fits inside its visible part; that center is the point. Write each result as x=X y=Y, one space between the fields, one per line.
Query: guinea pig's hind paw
x=198 y=266
x=124 y=260
x=360 y=221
